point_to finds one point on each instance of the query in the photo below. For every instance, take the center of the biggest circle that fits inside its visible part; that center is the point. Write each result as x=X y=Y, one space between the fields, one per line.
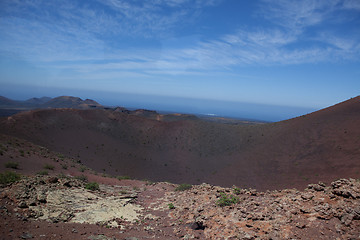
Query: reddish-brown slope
x=324 y=145
x=32 y=159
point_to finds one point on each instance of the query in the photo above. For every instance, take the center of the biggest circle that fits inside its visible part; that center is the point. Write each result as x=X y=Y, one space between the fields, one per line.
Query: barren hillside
x=322 y=146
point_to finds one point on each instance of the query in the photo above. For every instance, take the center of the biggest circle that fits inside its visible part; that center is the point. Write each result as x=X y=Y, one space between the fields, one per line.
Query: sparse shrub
x=236 y=190
x=123 y=177
x=3 y=149
x=82 y=168
x=122 y=192
x=183 y=187
x=171 y=206
x=92 y=186
x=82 y=178
x=227 y=200
x=49 y=167
x=9 y=177
x=22 y=153
x=149 y=182
x=106 y=175
x=13 y=165
x=64 y=166
x=61 y=175
x=43 y=172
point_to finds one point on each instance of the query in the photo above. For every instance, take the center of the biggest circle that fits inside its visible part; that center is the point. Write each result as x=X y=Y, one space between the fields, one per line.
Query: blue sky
x=302 y=54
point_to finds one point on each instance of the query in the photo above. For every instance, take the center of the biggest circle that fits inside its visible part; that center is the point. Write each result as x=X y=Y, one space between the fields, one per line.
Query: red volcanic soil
x=322 y=146
x=31 y=159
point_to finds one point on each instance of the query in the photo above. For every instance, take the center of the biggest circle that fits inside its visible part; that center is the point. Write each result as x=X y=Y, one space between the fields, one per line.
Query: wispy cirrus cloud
x=122 y=17
x=352 y=4
x=297 y=35
x=297 y=15
x=65 y=32
x=69 y=30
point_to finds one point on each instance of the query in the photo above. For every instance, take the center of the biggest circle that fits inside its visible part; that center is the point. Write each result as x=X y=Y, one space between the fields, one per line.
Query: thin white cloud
x=36 y=41
x=280 y=44
x=153 y=18
x=115 y=18
x=295 y=15
x=70 y=30
x=78 y=35
x=352 y=4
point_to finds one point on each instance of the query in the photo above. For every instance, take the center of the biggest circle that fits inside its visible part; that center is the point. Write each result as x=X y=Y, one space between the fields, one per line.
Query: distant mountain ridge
x=48 y=102
x=41 y=100
x=72 y=102
x=10 y=107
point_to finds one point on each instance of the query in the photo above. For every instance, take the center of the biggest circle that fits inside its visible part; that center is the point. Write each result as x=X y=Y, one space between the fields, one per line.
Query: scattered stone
x=307 y=196
x=26 y=236
x=67 y=184
x=99 y=237
x=347 y=218
x=53 y=180
x=23 y=204
x=41 y=197
x=317 y=187
x=301 y=225
x=356 y=212
x=197 y=226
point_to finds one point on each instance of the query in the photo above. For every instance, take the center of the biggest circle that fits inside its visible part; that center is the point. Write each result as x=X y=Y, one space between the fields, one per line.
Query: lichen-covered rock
x=318 y=212
x=55 y=201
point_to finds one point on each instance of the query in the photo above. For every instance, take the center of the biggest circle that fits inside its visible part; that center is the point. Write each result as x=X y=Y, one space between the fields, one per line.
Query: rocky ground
x=57 y=198
x=61 y=207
